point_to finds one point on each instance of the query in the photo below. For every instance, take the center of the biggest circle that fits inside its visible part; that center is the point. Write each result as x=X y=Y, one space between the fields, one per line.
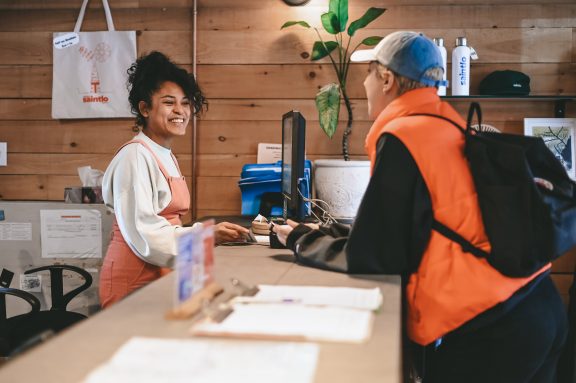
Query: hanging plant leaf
x=340 y=9
x=372 y=40
x=328 y=105
x=319 y=51
x=290 y=23
x=330 y=23
x=370 y=15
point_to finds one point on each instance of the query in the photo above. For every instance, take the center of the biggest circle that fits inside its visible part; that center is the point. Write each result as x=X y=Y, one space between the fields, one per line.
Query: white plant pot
x=341 y=184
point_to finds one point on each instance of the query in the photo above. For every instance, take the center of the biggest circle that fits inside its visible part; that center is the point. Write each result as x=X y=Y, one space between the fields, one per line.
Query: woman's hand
x=229 y=232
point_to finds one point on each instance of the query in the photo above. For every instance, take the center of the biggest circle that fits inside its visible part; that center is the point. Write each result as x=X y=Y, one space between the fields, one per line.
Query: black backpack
x=527 y=200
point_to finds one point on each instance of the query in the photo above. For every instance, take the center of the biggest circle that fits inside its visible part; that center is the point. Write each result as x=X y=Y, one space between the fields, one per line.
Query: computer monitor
x=293 y=156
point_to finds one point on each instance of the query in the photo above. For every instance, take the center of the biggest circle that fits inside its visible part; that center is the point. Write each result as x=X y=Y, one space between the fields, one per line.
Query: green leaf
x=371 y=41
x=319 y=51
x=370 y=15
x=290 y=23
x=340 y=9
x=330 y=23
x=328 y=105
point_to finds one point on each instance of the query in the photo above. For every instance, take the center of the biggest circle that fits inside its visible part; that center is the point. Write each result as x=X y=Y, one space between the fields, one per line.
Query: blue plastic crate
x=257 y=179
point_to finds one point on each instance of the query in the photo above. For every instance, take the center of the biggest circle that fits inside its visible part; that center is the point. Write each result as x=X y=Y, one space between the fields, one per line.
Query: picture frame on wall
x=559 y=135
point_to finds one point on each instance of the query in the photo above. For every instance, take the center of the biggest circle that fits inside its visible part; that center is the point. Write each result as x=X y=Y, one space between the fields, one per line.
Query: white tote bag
x=89 y=71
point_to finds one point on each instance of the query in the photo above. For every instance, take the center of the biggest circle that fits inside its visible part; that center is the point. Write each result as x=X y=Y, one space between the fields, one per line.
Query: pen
x=264 y=300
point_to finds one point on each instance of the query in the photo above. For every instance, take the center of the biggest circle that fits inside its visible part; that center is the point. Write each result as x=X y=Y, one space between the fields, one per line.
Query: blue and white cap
x=409 y=54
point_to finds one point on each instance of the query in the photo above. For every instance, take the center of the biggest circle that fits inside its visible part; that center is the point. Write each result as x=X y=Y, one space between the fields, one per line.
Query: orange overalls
x=123 y=271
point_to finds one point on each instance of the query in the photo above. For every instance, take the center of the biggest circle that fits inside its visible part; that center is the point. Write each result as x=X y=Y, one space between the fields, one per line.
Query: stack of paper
x=363 y=299
x=148 y=360
x=299 y=312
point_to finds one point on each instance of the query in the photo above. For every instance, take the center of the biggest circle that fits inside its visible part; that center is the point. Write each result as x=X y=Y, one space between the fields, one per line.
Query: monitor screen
x=293 y=139
x=287 y=122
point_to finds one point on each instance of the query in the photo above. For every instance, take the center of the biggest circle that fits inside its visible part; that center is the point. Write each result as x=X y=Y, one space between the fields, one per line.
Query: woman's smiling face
x=168 y=115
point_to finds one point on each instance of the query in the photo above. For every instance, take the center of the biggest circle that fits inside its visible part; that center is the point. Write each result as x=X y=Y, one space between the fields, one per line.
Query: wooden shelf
x=559 y=100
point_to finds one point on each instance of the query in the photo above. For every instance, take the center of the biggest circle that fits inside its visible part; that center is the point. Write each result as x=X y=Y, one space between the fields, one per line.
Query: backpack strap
x=455 y=237
x=438 y=226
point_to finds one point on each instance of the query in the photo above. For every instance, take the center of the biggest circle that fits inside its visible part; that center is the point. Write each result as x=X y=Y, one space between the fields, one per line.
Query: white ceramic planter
x=341 y=184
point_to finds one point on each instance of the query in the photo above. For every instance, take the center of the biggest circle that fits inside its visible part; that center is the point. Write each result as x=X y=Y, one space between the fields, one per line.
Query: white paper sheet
x=16 y=231
x=292 y=321
x=363 y=299
x=269 y=153
x=149 y=360
x=71 y=233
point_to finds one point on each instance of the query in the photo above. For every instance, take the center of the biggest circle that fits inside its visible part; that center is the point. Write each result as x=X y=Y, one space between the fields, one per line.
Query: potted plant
x=328 y=99
x=341 y=184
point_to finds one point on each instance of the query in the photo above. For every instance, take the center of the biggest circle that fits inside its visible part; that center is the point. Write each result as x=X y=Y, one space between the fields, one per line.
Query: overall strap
x=158 y=161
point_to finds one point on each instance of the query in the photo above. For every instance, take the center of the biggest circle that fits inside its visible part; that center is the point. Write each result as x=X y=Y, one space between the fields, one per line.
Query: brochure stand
x=195 y=303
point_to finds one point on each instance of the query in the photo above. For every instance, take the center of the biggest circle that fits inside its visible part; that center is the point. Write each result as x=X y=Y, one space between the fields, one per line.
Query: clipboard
x=293 y=322
x=296 y=313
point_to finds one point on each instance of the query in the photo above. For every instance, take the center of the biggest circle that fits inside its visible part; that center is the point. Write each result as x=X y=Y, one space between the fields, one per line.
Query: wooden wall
x=43 y=154
x=253 y=72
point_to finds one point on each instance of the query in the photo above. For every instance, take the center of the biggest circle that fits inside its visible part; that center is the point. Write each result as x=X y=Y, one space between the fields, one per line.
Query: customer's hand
x=229 y=232
x=283 y=231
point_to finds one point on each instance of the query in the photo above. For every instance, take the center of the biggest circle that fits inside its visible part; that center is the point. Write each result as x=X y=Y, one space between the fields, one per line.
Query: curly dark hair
x=149 y=72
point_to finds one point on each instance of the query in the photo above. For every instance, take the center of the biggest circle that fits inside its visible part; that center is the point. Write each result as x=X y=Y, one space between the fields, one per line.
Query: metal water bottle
x=439 y=41
x=461 y=56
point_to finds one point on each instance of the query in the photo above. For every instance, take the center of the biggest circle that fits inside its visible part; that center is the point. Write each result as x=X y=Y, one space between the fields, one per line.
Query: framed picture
x=559 y=136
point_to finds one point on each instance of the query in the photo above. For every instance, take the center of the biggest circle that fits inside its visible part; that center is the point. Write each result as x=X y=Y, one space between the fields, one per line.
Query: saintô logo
x=100 y=99
x=463 y=73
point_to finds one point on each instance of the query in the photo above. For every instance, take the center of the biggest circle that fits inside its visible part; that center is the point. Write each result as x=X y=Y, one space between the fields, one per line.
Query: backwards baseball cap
x=409 y=54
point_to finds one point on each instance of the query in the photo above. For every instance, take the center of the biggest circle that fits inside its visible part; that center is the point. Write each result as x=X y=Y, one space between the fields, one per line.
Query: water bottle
x=439 y=41
x=461 y=56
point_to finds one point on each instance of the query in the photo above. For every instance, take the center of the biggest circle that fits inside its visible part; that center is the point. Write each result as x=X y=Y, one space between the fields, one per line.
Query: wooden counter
x=70 y=356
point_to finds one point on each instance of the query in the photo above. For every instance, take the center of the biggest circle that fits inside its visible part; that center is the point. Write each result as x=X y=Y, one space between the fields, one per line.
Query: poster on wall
x=559 y=136
x=71 y=233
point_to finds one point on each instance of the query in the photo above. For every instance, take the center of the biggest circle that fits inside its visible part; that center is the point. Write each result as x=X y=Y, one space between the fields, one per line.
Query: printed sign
x=66 y=40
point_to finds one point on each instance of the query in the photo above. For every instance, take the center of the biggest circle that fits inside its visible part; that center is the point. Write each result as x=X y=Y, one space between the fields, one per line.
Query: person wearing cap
x=466 y=322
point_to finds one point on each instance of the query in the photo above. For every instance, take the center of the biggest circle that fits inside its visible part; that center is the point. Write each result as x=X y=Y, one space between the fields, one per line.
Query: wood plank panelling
x=35 y=48
x=39 y=187
x=428 y=15
x=156 y=19
x=228 y=81
x=252 y=72
x=44 y=154
x=533 y=45
x=259 y=4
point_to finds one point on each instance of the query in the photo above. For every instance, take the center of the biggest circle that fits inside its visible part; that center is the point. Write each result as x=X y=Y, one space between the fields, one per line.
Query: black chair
x=58 y=318
x=21 y=332
x=14 y=331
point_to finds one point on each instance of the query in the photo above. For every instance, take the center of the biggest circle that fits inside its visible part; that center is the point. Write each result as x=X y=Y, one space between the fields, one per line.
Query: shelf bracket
x=560 y=109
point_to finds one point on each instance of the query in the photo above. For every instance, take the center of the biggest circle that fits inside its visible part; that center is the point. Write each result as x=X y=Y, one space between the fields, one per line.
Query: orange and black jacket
x=418 y=174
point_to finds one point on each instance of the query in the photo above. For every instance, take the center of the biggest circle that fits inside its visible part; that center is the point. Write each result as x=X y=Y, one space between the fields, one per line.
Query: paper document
x=262 y=239
x=363 y=299
x=71 y=233
x=149 y=360
x=16 y=231
x=292 y=321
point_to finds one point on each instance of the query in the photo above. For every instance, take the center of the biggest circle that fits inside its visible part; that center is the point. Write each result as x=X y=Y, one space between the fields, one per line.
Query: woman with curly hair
x=143 y=183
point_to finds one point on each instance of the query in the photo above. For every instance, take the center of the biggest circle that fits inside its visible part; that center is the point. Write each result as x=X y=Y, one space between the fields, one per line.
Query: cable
x=326 y=217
